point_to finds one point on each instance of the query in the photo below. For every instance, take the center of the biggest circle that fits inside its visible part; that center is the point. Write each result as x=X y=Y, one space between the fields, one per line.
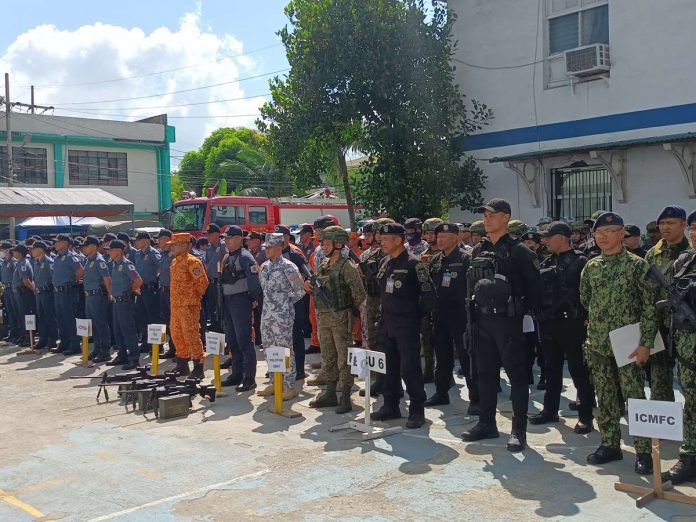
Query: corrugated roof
x=600 y=146
x=28 y=202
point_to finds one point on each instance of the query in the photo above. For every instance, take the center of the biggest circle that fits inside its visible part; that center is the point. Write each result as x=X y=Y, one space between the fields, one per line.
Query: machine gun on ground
x=154 y=390
x=128 y=378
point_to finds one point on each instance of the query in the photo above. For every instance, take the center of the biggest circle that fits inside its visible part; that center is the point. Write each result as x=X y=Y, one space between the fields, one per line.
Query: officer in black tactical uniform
x=504 y=276
x=407 y=295
x=562 y=320
x=448 y=269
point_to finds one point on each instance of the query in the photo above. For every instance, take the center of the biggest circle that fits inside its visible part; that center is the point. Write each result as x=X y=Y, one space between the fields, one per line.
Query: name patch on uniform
x=400 y=271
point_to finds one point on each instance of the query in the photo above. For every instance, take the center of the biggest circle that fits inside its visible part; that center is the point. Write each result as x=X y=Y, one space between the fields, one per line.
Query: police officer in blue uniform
x=23 y=288
x=14 y=333
x=125 y=283
x=42 y=265
x=67 y=271
x=77 y=250
x=213 y=263
x=97 y=284
x=165 y=305
x=241 y=293
x=147 y=264
x=130 y=252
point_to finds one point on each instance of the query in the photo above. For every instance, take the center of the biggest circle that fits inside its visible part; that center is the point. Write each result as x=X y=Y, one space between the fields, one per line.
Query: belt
x=21 y=290
x=64 y=288
x=94 y=292
x=44 y=289
x=151 y=287
x=127 y=298
x=163 y=287
x=491 y=310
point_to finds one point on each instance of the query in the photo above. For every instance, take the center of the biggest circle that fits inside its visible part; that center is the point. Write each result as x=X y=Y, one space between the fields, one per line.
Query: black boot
x=518 y=436
x=684 y=470
x=481 y=431
x=182 y=366
x=437 y=400
x=416 y=418
x=644 y=464
x=197 y=372
x=543 y=417
x=603 y=455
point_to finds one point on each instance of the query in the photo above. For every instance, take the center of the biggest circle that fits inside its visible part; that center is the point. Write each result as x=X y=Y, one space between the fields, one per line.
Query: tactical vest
x=370 y=269
x=558 y=298
x=490 y=282
x=337 y=290
x=234 y=279
x=684 y=282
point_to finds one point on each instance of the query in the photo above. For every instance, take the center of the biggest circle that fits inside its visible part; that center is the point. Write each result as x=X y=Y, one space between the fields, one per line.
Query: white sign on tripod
x=357 y=360
x=656 y=419
x=214 y=343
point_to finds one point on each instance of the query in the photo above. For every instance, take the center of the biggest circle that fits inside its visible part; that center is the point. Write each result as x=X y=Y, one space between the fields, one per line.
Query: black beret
x=282 y=229
x=109 y=236
x=631 y=231
x=165 y=233
x=122 y=236
x=256 y=235
x=117 y=243
x=392 y=229
x=608 y=219
x=450 y=228
x=672 y=212
x=201 y=241
x=64 y=237
x=234 y=230
x=91 y=240
x=213 y=228
x=413 y=223
x=143 y=235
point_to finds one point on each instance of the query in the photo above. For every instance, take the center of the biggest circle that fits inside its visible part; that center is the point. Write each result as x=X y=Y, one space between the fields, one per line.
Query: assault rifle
x=139 y=375
x=190 y=387
x=318 y=289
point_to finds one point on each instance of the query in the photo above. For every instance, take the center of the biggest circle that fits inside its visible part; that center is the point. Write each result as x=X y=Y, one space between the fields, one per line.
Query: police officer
x=259 y=253
x=45 y=307
x=213 y=263
x=14 y=333
x=97 y=284
x=505 y=280
x=67 y=271
x=414 y=230
x=147 y=260
x=448 y=269
x=130 y=252
x=241 y=292
x=590 y=248
x=407 y=295
x=23 y=288
x=562 y=320
x=125 y=282
x=166 y=258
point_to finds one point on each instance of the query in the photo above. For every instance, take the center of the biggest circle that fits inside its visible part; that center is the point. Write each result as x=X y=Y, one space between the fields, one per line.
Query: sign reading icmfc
x=84 y=327
x=655 y=419
x=156 y=333
x=30 y=322
x=214 y=343
x=275 y=357
x=357 y=360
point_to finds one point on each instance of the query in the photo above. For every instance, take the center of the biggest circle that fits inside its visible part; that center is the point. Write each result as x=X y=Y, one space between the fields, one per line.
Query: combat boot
x=289 y=394
x=198 y=372
x=481 y=431
x=518 y=435
x=182 y=366
x=684 y=470
x=268 y=391
x=327 y=398
x=319 y=380
x=603 y=455
x=344 y=405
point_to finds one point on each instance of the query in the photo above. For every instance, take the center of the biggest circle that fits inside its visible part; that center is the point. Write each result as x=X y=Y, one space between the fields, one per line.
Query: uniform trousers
x=46 y=319
x=335 y=337
x=238 y=313
x=402 y=354
x=97 y=309
x=125 y=331
x=185 y=325
x=67 y=307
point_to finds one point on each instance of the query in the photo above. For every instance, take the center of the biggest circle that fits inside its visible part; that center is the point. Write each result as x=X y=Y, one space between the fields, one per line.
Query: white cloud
x=54 y=59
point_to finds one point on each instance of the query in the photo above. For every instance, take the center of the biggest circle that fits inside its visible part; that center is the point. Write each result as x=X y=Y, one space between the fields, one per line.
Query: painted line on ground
x=196 y=492
x=14 y=501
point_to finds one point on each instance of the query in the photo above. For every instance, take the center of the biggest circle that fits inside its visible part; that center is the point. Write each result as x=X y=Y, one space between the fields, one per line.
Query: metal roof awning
x=600 y=146
x=75 y=202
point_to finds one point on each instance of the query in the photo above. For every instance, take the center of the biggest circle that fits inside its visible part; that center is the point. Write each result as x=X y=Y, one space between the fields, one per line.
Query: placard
x=528 y=324
x=656 y=419
x=156 y=333
x=357 y=360
x=626 y=339
x=214 y=343
x=30 y=322
x=275 y=357
x=376 y=361
x=84 y=327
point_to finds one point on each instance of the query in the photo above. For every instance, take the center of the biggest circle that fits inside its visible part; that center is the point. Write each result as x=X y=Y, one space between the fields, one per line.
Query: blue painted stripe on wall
x=674 y=115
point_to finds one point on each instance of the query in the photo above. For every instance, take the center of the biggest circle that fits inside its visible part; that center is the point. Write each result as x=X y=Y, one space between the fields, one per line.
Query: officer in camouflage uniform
x=615 y=291
x=477 y=231
x=340 y=280
x=685 y=354
x=672 y=223
x=517 y=228
x=426 y=331
x=282 y=287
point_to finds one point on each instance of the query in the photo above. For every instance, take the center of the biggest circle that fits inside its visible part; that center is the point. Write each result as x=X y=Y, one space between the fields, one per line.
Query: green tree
x=177 y=187
x=374 y=76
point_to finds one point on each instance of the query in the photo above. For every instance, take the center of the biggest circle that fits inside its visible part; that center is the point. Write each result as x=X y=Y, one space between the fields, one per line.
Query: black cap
x=306 y=228
x=532 y=236
x=368 y=228
x=109 y=236
x=691 y=218
x=631 y=231
x=5 y=245
x=201 y=241
x=556 y=228
x=256 y=235
x=323 y=222
x=282 y=229
x=78 y=241
x=392 y=229
x=233 y=231
x=495 y=205
x=165 y=233
x=143 y=235
x=22 y=249
x=608 y=219
x=414 y=223
x=213 y=228
x=91 y=240
x=672 y=212
x=450 y=228
x=40 y=244
x=122 y=236
x=64 y=237
x=117 y=243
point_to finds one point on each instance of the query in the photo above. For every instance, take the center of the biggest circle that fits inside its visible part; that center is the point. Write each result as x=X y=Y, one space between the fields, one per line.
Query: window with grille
x=227 y=215
x=29 y=165
x=89 y=167
x=584 y=24
x=578 y=192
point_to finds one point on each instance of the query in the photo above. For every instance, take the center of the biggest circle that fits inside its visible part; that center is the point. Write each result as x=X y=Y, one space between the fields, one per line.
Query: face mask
x=413 y=238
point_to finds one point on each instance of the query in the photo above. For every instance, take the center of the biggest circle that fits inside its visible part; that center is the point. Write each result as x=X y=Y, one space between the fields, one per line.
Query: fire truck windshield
x=187 y=218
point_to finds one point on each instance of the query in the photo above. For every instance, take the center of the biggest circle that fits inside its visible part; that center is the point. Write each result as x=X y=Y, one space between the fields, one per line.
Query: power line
x=496 y=68
x=164 y=106
x=210 y=116
x=145 y=75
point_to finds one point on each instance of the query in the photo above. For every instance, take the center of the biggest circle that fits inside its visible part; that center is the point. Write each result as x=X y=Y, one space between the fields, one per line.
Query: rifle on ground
x=190 y=387
x=139 y=375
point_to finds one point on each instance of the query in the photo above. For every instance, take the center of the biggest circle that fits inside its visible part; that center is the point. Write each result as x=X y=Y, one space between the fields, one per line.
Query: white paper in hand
x=626 y=339
x=528 y=324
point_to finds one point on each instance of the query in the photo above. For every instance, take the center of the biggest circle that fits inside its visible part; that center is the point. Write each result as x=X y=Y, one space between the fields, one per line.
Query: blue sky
x=231 y=27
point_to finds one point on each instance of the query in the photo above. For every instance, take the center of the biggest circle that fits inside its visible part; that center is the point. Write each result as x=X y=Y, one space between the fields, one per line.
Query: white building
x=129 y=159
x=593 y=100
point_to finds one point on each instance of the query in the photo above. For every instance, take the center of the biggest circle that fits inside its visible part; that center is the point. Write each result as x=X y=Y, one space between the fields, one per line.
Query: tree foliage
x=375 y=76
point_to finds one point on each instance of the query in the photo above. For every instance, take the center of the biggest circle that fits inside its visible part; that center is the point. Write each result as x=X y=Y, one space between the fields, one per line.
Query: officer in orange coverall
x=187 y=287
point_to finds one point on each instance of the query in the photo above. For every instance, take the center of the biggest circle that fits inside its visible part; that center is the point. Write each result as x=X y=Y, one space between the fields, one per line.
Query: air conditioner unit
x=590 y=59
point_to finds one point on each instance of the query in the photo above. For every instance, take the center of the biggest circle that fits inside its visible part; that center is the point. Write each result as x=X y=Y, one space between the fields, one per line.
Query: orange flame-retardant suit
x=187 y=287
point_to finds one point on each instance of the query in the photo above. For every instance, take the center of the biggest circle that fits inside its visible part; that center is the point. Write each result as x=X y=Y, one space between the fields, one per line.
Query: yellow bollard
x=85 y=351
x=155 y=359
x=216 y=370
x=278 y=391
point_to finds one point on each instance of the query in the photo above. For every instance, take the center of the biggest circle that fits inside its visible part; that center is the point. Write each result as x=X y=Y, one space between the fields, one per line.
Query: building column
x=58 y=165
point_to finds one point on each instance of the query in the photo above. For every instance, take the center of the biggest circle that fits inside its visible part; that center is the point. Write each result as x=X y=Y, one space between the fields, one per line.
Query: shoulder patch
x=421 y=272
x=102 y=264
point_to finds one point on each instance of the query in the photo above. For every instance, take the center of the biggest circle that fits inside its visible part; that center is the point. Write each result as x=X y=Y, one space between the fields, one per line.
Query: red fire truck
x=193 y=214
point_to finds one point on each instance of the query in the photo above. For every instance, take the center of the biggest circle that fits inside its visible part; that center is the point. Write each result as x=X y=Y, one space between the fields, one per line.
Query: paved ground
x=63 y=457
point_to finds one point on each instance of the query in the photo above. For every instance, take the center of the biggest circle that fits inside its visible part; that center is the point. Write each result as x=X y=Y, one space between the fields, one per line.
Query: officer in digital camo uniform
x=685 y=354
x=282 y=287
x=672 y=224
x=615 y=291
x=341 y=282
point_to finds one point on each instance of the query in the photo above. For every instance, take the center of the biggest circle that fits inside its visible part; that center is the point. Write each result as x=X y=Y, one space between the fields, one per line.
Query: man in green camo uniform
x=672 y=224
x=429 y=226
x=685 y=347
x=341 y=283
x=616 y=292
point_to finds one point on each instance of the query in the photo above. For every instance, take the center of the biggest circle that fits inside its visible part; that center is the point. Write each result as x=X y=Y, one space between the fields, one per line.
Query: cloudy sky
x=204 y=63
